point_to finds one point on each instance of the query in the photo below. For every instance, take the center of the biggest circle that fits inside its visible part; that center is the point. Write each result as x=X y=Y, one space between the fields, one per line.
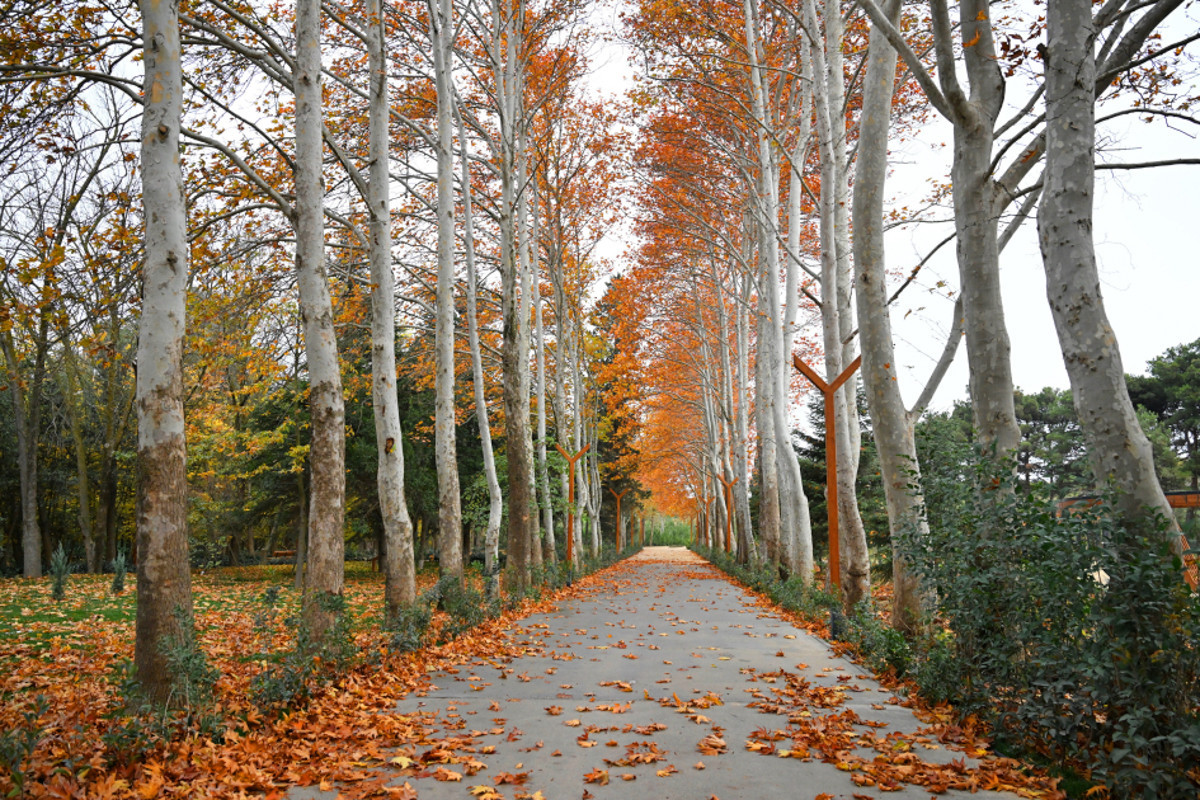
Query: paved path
x=652 y=683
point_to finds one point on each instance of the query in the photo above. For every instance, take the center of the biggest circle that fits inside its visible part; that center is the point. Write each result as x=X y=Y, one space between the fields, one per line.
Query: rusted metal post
x=728 y=511
x=831 y=494
x=618 y=496
x=571 y=459
x=708 y=537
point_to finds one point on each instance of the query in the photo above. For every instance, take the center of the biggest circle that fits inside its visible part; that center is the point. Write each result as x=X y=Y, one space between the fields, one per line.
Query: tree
x=323 y=582
x=398 y=566
x=164 y=609
x=449 y=497
x=1172 y=392
x=1120 y=453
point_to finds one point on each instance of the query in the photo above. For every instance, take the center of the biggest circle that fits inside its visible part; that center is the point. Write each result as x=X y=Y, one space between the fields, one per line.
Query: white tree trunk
x=893 y=426
x=399 y=569
x=507 y=32
x=450 y=559
x=491 y=539
x=327 y=451
x=164 y=601
x=543 y=470
x=1119 y=451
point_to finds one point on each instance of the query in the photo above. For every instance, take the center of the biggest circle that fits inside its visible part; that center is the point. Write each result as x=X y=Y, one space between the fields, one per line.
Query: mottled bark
x=892 y=424
x=327 y=448
x=399 y=568
x=507 y=21
x=450 y=562
x=491 y=538
x=1118 y=449
x=164 y=590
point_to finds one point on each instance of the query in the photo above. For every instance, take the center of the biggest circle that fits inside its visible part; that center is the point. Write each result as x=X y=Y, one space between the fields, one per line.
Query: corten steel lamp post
x=831 y=498
x=728 y=511
x=571 y=459
x=619 y=495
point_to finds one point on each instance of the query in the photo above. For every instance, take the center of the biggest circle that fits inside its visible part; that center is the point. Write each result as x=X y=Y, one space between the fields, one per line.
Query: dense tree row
x=332 y=207
x=763 y=166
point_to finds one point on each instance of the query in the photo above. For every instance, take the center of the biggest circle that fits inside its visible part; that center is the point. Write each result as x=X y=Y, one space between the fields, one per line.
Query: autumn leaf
x=597 y=776
x=503 y=778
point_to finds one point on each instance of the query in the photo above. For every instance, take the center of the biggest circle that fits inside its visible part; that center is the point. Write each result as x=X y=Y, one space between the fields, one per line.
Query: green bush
x=17 y=745
x=60 y=568
x=291 y=675
x=1074 y=634
x=465 y=607
x=119 y=567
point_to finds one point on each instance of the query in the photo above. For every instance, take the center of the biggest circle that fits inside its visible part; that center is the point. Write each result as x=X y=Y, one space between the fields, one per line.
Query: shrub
x=119 y=569
x=291 y=675
x=17 y=745
x=60 y=568
x=1037 y=642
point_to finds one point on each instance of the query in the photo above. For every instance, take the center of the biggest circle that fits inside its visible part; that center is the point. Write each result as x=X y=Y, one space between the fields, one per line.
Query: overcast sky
x=1147 y=234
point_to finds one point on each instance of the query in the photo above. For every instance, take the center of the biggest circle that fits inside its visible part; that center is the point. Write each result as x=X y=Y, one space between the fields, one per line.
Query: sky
x=1147 y=238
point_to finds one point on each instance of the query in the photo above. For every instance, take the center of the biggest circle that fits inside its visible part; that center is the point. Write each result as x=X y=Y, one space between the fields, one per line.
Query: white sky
x=1147 y=235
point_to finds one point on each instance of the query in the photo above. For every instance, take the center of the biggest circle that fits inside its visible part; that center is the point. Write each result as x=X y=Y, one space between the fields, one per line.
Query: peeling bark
x=327 y=448
x=399 y=569
x=164 y=589
x=1118 y=449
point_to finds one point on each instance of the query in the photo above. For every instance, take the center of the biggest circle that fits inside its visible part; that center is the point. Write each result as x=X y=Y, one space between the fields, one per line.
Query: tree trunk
x=25 y=421
x=399 y=570
x=83 y=484
x=491 y=539
x=164 y=590
x=893 y=426
x=327 y=451
x=507 y=32
x=449 y=499
x=543 y=470
x=1119 y=451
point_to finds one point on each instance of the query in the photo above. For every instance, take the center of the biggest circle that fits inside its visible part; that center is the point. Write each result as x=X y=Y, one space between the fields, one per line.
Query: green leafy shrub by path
x=290 y=676
x=17 y=744
x=1076 y=636
x=140 y=724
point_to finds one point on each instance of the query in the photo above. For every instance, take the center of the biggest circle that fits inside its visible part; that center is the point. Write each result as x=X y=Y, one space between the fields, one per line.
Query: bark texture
x=449 y=497
x=164 y=599
x=399 y=569
x=893 y=425
x=327 y=451
x=1119 y=451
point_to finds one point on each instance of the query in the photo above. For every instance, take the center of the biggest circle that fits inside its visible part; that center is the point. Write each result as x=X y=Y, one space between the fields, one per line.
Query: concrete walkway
x=664 y=680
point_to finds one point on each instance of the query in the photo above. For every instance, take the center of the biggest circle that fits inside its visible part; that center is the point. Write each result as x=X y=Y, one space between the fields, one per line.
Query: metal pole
x=728 y=511
x=618 y=496
x=831 y=493
x=571 y=459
